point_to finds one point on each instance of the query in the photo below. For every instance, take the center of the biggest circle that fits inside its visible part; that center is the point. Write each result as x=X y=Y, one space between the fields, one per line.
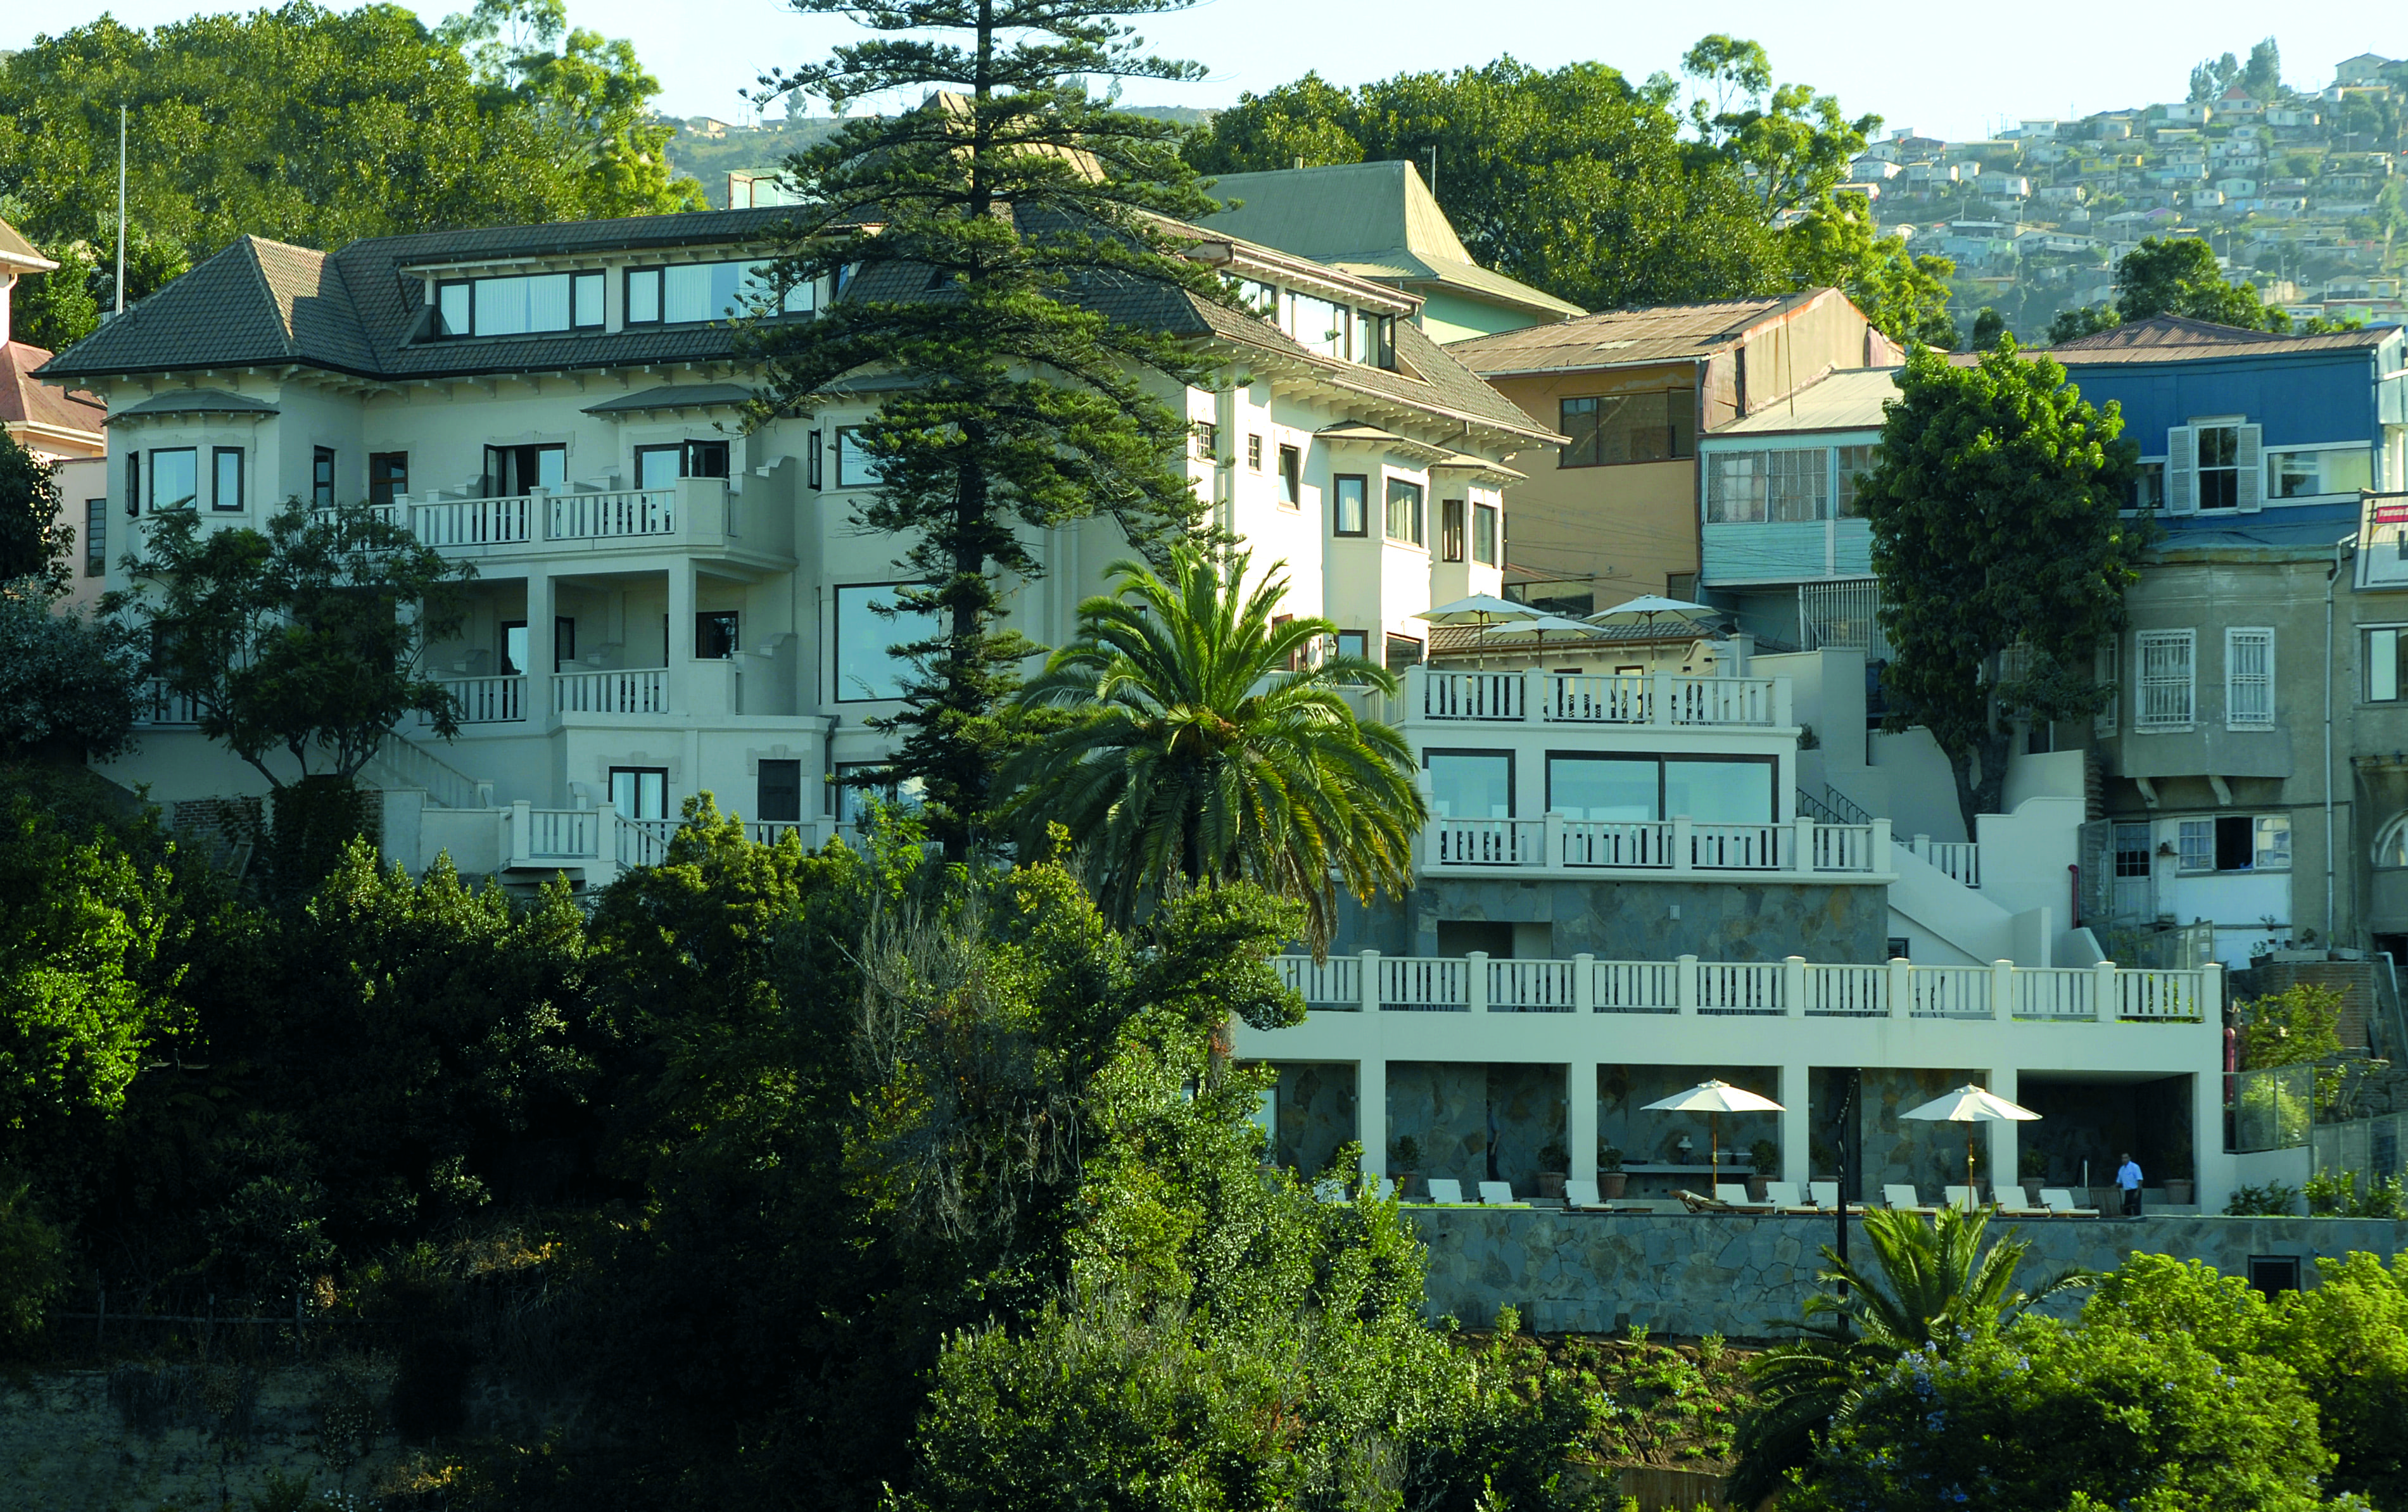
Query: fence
x=2274 y=1108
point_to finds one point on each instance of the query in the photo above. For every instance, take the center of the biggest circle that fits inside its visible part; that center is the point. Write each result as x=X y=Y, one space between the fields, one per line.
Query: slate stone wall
x=1746 y=1278
x=1475 y=1121
x=1317 y=1115
x=1634 y=920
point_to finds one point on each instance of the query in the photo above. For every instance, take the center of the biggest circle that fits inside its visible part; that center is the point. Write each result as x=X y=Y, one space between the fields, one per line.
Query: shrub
x=2336 y=1194
x=31 y=1273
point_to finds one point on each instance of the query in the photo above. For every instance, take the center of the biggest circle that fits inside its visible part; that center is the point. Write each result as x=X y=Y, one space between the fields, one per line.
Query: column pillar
x=543 y=645
x=683 y=688
x=1797 y=1127
x=1580 y=1118
x=2006 y=1136
x=1371 y=1115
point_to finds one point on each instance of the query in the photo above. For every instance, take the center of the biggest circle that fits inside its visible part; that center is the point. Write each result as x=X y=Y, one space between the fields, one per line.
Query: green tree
x=1936 y=1288
x=35 y=543
x=2041 y=1417
x=70 y=683
x=1209 y=745
x=2262 y=75
x=1987 y=327
x=57 y=309
x=1905 y=296
x=2178 y=276
x=2303 y=1022
x=976 y=226
x=315 y=127
x=1995 y=528
x=1792 y=145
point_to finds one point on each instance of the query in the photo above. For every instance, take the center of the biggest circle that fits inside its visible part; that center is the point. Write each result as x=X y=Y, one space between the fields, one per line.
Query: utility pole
x=121 y=211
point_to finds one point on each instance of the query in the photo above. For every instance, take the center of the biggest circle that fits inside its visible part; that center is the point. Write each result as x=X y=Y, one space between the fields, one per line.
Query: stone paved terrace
x=1746 y=1278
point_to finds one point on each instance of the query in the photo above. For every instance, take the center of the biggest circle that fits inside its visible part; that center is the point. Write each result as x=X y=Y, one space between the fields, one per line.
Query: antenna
x=121 y=211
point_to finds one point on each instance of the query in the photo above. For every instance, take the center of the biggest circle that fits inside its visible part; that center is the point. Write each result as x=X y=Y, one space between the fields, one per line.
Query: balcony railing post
x=1804 y=856
x=522 y=831
x=1901 y=987
x=1534 y=708
x=1780 y=719
x=1877 y=854
x=1659 y=697
x=2210 y=992
x=2102 y=991
x=2002 y=988
x=1922 y=847
x=1793 y=986
x=1583 y=983
x=1684 y=985
x=1475 y=980
x=1370 y=984
x=1417 y=691
x=1552 y=850
x=1684 y=857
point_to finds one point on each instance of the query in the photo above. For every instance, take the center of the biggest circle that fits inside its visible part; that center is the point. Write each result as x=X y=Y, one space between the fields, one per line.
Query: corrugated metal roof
x=1850 y=399
x=1626 y=337
x=2173 y=339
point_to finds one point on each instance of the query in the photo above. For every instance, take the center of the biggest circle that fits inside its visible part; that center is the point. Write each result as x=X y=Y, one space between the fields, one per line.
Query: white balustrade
x=1957 y=860
x=563 y=834
x=1488 y=842
x=1606 y=843
x=1755 y=848
x=638 y=690
x=618 y=512
x=159 y=705
x=1721 y=701
x=1475 y=983
x=1472 y=695
x=1621 y=698
x=473 y=521
x=1843 y=848
x=1617 y=699
x=645 y=842
x=487 y=700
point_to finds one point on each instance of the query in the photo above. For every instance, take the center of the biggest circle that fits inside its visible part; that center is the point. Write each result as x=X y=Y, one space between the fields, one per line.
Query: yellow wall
x=1628 y=526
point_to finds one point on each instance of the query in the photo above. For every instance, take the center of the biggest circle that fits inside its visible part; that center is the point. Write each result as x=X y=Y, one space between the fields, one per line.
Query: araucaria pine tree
x=999 y=247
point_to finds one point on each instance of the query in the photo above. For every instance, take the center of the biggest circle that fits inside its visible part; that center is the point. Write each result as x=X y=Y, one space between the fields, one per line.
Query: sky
x=1952 y=71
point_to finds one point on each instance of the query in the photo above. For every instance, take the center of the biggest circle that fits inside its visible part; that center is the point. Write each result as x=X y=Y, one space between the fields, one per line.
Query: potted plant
x=1404 y=1163
x=1555 y=1163
x=1612 y=1180
x=2034 y=1164
x=1764 y=1158
x=2179 y=1191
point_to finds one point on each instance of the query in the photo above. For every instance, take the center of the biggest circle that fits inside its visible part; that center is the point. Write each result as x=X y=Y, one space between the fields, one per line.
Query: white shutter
x=2249 y=676
x=2250 y=487
x=2182 y=471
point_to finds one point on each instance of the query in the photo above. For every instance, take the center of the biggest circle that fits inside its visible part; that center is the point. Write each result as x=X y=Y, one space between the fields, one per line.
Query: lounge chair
x=1733 y=1195
x=1579 y=1194
x=1696 y=1203
x=1783 y=1197
x=2060 y=1202
x=2012 y=1205
x=1498 y=1194
x=1827 y=1197
x=1445 y=1192
x=1904 y=1199
x=1965 y=1199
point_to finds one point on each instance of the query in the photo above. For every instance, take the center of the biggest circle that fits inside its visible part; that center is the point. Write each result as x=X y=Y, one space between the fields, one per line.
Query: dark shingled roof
x=2174 y=339
x=196 y=402
x=353 y=311
x=674 y=396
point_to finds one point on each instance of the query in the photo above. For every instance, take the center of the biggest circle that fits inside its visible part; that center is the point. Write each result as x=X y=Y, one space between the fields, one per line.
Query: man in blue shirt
x=2127 y=1177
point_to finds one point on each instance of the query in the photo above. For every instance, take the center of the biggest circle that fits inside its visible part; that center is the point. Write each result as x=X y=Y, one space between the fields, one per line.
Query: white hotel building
x=1631 y=857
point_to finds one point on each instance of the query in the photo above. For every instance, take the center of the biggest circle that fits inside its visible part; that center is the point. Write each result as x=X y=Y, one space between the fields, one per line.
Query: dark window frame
x=1487 y=535
x=1513 y=772
x=1291 y=476
x=1388 y=652
x=1416 y=511
x=762 y=789
x=1361 y=502
x=1772 y=765
x=321 y=476
x=657 y=274
x=1587 y=447
x=836 y=640
x=194 y=453
x=388 y=475
x=218 y=456
x=710 y=643
x=1452 y=530
x=133 y=484
x=96 y=537
x=579 y=279
x=639 y=773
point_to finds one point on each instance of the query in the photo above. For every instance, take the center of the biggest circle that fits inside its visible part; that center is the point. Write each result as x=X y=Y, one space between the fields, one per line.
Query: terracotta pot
x=1755 y=1189
x=1408 y=1186
x=1551 y=1183
x=2178 y=1194
x=1611 y=1184
x=2031 y=1189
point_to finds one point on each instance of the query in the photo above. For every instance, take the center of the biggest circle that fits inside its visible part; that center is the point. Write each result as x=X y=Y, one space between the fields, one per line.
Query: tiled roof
x=1626 y=337
x=196 y=402
x=674 y=396
x=2173 y=339
x=25 y=402
x=353 y=311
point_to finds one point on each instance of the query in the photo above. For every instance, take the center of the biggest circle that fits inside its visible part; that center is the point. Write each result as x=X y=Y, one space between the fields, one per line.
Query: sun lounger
x=1580 y=1195
x=1733 y=1194
x=1965 y=1199
x=1904 y=1199
x=1445 y=1192
x=1783 y=1197
x=2060 y=1202
x=2012 y=1205
x=1827 y=1197
x=1696 y=1203
x=1498 y=1194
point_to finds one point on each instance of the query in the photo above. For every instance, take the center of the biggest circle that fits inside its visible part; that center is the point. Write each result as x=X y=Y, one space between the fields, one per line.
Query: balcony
x=487 y=700
x=703 y=513
x=156 y=707
x=1800 y=847
x=1372 y=983
x=631 y=691
x=1662 y=700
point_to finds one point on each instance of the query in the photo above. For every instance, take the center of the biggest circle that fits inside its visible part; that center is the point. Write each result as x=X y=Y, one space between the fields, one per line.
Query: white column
x=2006 y=1141
x=2104 y=992
x=2002 y=988
x=1685 y=984
x=1370 y=983
x=1801 y=856
x=683 y=682
x=1475 y=980
x=1901 y=988
x=1793 y=986
x=1580 y=1118
x=543 y=643
x=1797 y=1128
x=1371 y=1115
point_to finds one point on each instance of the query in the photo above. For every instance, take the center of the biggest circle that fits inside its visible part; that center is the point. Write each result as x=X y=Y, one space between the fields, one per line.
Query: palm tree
x=1937 y=1285
x=1210 y=743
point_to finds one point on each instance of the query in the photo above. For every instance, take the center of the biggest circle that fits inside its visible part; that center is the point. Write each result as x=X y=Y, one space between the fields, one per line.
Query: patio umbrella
x=1478 y=609
x=1970 y=1105
x=1649 y=607
x=1714 y=1098
x=1539 y=627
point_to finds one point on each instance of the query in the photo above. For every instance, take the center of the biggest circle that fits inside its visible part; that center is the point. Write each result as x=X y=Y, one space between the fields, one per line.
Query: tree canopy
x=1996 y=531
x=1582 y=183
x=2178 y=276
x=316 y=127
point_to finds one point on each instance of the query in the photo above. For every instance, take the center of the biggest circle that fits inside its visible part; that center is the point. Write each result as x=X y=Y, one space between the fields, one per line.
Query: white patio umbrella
x=1649 y=607
x=1538 y=628
x=1478 y=609
x=1715 y=1097
x=1970 y=1105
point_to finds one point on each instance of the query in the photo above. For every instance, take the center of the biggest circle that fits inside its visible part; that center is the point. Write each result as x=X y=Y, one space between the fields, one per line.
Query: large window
x=522 y=305
x=1348 y=494
x=512 y=471
x=226 y=478
x=1638 y=788
x=2299 y=474
x=779 y=794
x=388 y=475
x=641 y=792
x=688 y=292
x=1486 y=523
x=2387 y=664
x=2234 y=843
x=1403 y=651
x=1753 y=487
x=2168 y=691
x=2219 y=470
x=1854 y=463
x=854 y=467
x=714 y=635
x=864 y=668
x=1470 y=784
x=174 y=479
x=1404 y=514
x=1659 y=425
x=661 y=466
x=2249 y=676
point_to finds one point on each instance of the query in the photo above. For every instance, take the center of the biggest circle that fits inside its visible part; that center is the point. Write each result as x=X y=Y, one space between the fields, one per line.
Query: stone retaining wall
x=1746 y=1278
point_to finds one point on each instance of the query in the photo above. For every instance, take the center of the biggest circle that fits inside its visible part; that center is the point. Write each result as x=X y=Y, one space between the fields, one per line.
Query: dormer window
x=684 y=294
x=525 y=304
